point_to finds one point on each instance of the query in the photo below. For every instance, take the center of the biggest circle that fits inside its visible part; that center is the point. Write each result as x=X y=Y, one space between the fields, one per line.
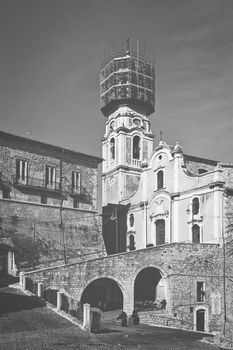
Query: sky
x=50 y=59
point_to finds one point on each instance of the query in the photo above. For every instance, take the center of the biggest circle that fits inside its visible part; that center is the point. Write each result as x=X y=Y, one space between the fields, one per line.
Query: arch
x=104 y=293
x=160 y=179
x=149 y=286
x=196 y=233
x=201 y=318
x=136 y=147
x=131 y=220
x=112 y=148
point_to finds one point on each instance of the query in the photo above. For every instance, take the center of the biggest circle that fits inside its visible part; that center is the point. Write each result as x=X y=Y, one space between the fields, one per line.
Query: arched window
x=131 y=220
x=159 y=179
x=196 y=234
x=112 y=148
x=195 y=205
x=136 y=147
x=131 y=242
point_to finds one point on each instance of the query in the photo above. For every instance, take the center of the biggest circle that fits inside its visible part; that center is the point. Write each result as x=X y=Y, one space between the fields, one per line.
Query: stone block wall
x=34 y=231
x=181 y=266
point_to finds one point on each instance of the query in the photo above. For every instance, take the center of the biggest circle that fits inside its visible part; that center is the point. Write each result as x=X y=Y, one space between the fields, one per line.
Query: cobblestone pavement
x=27 y=324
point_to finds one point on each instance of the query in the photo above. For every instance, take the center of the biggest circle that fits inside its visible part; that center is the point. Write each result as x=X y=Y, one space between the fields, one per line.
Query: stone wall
x=34 y=230
x=181 y=266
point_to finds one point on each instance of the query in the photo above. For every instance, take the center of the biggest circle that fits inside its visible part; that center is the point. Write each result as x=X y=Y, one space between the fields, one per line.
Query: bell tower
x=127 y=95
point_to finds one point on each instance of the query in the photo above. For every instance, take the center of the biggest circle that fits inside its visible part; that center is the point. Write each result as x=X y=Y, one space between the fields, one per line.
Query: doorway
x=201 y=320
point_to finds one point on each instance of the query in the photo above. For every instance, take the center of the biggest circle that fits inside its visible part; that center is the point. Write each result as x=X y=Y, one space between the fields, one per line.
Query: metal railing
x=36 y=182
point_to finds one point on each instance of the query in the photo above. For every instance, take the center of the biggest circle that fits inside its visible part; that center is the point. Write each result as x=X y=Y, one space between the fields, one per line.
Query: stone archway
x=149 y=289
x=104 y=293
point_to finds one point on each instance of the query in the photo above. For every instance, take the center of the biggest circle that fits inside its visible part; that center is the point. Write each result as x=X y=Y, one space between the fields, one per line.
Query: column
x=86 y=317
x=40 y=290
x=59 y=301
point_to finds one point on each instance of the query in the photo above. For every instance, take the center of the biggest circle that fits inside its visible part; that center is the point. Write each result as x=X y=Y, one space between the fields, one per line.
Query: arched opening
x=160 y=232
x=112 y=148
x=196 y=234
x=131 y=242
x=195 y=205
x=200 y=316
x=136 y=147
x=104 y=293
x=160 y=179
x=149 y=290
x=131 y=220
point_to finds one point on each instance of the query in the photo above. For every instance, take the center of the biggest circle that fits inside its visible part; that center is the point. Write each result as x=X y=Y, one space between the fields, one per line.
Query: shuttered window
x=50 y=175
x=21 y=170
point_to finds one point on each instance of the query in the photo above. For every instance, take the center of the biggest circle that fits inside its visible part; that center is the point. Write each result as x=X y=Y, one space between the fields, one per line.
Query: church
x=159 y=196
x=153 y=195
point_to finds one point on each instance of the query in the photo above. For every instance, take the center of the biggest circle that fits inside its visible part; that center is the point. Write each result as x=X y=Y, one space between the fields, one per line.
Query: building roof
x=190 y=158
x=42 y=148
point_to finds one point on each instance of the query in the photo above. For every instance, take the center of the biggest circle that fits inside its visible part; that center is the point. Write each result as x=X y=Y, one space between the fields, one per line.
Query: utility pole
x=61 y=206
x=34 y=242
x=116 y=231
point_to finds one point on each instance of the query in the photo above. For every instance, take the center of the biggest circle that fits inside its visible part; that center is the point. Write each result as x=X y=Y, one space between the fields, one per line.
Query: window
x=131 y=242
x=50 y=176
x=131 y=220
x=200 y=292
x=6 y=193
x=196 y=234
x=136 y=147
x=112 y=148
x=160 y=179
x=76 y=181
x=21 y=170
x=195 y=206
x=160 y=232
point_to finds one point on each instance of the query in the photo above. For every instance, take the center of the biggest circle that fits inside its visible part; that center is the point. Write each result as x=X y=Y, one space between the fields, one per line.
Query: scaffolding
x=127 y=78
